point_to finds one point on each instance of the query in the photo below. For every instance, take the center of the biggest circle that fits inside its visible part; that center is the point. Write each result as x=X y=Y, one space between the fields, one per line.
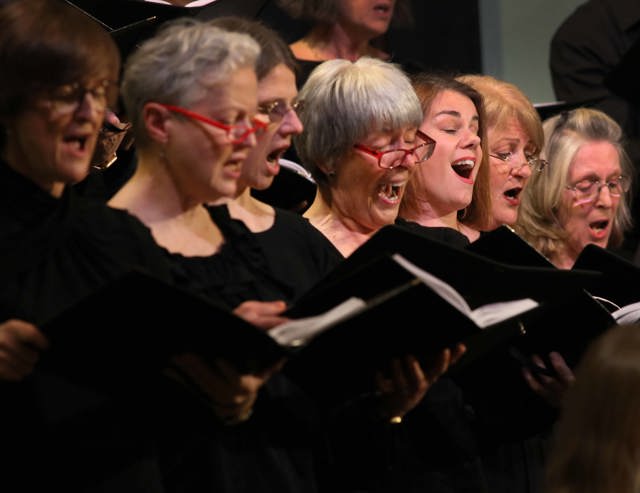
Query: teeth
x=599 y=226
x=463 y=168
x=390 y=191
x=512 y=193
x=468 y=163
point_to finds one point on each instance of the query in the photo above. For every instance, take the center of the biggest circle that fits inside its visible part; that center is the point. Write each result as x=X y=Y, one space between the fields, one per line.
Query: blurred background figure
x=345 y=29
x=595 y=447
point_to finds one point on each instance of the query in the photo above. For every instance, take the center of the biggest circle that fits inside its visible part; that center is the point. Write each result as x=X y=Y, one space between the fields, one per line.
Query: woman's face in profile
x=588 y=213
x=509 y=149
x=365 y=194
x=276 y=92
x=206 y=160
x=448 y=176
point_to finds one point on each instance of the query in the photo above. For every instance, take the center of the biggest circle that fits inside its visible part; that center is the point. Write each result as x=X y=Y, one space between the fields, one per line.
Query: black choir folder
x=132 y=327
x=620 y=284
x=503 y=244
x=566 y=321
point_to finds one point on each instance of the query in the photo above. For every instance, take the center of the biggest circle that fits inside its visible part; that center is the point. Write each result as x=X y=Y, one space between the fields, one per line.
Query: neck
x=337 y=41
x=346 y=235
x=564 y=258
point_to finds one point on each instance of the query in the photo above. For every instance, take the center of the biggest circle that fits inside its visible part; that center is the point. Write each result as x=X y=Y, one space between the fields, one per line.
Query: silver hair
x=347 y=101
x=181 y=63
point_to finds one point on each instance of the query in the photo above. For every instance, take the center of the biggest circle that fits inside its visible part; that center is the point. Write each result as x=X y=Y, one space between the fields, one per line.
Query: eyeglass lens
x=393 y=158
x=279 y=108
x=588 y=190
x=67 y=98
x=534 y=163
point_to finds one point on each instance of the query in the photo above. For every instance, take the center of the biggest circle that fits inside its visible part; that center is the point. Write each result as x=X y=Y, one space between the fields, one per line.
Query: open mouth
x=599 y=226
x=463 y=168
x=273 y=160
x=79 y=143
x=390 y=191
x=513 y=193
x=383 y=7
x=274 y=156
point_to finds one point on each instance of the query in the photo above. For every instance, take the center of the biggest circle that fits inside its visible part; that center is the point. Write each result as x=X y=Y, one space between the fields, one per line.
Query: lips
x=382 y=7
x=273 y=165
x=599 y=229
x=512 y=195
x=391 y=192
x=79 y=142
x=464 y=168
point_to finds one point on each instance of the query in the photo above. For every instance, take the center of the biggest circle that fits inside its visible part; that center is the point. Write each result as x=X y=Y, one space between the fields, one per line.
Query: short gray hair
x=344 y=102
x=180 y=63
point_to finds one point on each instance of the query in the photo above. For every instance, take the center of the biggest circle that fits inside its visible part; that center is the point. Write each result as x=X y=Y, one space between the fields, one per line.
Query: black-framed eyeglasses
x=534 y=163
x=236 y=133
x=586 y=191
x=394 y=157
x=276 y=110
x=66 y=99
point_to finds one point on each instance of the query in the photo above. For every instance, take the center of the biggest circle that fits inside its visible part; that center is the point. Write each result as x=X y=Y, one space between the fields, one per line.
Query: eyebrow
x=455 y=114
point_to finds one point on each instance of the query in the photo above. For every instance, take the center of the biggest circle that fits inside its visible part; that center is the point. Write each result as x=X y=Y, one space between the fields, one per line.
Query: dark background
x=445 y=35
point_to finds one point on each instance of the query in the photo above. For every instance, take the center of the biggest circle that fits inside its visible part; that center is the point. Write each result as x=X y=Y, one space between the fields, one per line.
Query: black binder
x=620 y=282
x=130 y=328
x=491 y=372
x=503 y=244
x=506 y=409
x=479 y=279
x=415 y=321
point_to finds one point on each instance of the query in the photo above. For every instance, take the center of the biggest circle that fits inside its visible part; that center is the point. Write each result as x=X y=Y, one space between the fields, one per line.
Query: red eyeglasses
x=394 y=157
x=235 y=133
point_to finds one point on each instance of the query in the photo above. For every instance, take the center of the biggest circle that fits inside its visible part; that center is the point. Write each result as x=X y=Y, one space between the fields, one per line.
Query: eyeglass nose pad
x=409 y=159
x=521 y=169
x=93 y=103
x=600 y=187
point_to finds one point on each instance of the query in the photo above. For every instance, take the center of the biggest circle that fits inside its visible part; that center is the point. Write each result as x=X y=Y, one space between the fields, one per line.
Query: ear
x=328 y=168
x=156 y=122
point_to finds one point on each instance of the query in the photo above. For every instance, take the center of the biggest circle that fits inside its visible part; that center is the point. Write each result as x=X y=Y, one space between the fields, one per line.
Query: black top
x=52 y=253
x=277 y=449
x=284 y=261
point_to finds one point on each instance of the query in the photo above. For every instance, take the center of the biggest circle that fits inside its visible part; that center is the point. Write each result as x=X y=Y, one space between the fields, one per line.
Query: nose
x=409 y=160
x=471 y=140
x=291 y=124
x=250 y=141
x=603 y=199
x=523 y=169
x=89 y=106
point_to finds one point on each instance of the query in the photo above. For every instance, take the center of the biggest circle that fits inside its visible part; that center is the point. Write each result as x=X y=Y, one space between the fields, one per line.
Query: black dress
x=278 y=448
x=57 y=434
x=288 y=258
